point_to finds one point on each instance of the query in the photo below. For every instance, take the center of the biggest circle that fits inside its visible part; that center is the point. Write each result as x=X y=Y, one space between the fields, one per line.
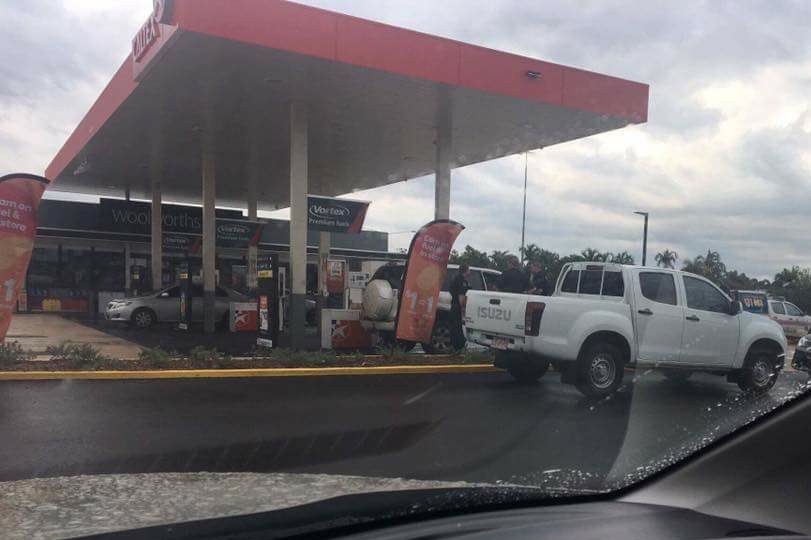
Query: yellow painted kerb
x=242 y=373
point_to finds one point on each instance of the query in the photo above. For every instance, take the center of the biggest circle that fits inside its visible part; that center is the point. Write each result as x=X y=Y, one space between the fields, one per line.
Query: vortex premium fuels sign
x=335 y=215
x=19 y=199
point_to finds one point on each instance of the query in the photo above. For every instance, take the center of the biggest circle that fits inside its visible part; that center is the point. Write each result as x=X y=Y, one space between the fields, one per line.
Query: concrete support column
x=127 y=267
x=209 y=238
x=298 y=222
x=156 y=239
x=253 y=251
x=324 y=241
x=442 y=186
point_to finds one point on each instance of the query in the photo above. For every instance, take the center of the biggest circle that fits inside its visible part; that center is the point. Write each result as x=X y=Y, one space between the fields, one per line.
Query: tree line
x=792 y=283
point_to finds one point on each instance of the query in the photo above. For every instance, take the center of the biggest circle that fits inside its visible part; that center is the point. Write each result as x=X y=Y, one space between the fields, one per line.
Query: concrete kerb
x=244 y=373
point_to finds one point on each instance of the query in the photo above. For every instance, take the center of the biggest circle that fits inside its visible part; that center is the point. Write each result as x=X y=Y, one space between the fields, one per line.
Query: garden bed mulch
x=154 y=359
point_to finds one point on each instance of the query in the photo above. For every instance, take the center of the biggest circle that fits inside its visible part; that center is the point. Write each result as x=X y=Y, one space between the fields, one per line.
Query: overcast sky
x=723 y=162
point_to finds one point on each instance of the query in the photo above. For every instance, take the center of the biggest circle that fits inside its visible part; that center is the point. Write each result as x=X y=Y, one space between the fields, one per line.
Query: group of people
x=516 y=280
x=512 y=280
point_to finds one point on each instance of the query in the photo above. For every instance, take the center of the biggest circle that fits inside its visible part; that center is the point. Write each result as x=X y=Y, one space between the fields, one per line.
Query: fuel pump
x=184 y=276
x=267 y=300
x=137 y=279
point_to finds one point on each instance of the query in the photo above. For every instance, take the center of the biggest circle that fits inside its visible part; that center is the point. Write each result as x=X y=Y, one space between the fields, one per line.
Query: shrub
x=393 y=353
x=156 y=358
x=12 y=352
x=208 y=358
x=81 y=355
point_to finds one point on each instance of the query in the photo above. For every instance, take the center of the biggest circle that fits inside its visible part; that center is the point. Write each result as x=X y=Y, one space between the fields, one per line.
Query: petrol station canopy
x=227 y=70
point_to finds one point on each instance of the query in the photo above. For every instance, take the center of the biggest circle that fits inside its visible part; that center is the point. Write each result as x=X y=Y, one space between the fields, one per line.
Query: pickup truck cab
x=605 y=317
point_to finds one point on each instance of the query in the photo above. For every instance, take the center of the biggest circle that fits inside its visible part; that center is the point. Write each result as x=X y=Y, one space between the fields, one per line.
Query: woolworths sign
x=136 y=217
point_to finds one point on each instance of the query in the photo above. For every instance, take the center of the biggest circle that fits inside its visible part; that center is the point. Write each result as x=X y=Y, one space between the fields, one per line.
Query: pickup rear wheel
x=524 y=368
x=600 y=370
x=759 y=372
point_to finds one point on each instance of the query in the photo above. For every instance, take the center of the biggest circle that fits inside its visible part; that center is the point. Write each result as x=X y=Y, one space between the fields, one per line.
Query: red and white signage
x=152 y=36
x=425 y=271
x=19 y=200
x=244 y=317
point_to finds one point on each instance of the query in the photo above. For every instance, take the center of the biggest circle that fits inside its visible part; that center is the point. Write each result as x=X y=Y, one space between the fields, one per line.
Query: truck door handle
x=645 y=311
x=692 y=318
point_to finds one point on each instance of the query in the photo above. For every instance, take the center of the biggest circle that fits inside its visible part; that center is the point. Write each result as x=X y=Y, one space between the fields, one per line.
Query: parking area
x=37 y=331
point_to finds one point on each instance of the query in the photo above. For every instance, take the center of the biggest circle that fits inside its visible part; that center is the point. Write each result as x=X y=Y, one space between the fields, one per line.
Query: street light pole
x=524 y=216
x=644 y=238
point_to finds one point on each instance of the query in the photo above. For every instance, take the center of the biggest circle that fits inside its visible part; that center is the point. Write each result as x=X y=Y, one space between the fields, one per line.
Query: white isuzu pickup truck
x=603 y=317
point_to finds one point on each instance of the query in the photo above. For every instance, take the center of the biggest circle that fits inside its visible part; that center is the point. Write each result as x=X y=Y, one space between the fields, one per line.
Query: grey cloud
x=55 y=62
x=776 y=156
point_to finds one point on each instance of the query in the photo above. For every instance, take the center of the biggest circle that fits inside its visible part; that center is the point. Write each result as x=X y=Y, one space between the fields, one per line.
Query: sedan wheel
x=143 y=318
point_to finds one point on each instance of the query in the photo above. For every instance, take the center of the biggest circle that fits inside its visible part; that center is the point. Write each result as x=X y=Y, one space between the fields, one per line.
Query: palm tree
x=667 y=258
x=472 y=257
x=622 y=257
x=531 y=252
x=499 y=259
x=591 y=254
x=713 y=267
x=694 y=266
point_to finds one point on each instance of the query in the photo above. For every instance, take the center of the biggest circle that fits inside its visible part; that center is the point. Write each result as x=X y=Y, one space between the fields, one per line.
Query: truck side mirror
x=735 y=307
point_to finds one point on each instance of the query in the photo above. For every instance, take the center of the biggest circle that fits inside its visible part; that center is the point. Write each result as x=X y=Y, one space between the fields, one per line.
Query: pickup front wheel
x=759 y=372
x=600 y=369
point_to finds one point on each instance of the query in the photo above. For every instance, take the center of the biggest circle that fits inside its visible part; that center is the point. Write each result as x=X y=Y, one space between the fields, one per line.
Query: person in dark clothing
x=537 y=280
x=513 y=280
x=458 y=288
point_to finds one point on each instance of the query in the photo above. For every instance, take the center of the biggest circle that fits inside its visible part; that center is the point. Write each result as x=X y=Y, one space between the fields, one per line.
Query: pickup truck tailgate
x=496 y=312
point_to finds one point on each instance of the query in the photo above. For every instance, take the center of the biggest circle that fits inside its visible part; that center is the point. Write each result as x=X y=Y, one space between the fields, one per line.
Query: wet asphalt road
x=482 y=427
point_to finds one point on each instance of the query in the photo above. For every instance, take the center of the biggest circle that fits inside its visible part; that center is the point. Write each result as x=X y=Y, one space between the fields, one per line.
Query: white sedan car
x=164 y=306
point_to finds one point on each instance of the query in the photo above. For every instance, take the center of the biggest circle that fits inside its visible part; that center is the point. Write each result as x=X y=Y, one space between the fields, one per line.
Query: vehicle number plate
x=500 y=343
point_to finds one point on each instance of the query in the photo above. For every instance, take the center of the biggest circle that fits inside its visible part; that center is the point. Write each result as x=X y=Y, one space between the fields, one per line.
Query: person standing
x=513 y=280
x=458 y=289
x=537 y=279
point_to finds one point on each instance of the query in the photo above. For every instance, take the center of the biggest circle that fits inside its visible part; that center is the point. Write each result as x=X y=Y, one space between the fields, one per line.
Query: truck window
x=570 y=281
x=475 y=280
x=658 y=287
x=793 y=310
x=491 y=280
x=590 y=281
x=703 y=296
x=613 y=285
x=777 y=307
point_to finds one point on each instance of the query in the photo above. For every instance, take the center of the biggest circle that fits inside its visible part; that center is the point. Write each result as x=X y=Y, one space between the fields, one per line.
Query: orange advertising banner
x=425 y=271
x=19 y=199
